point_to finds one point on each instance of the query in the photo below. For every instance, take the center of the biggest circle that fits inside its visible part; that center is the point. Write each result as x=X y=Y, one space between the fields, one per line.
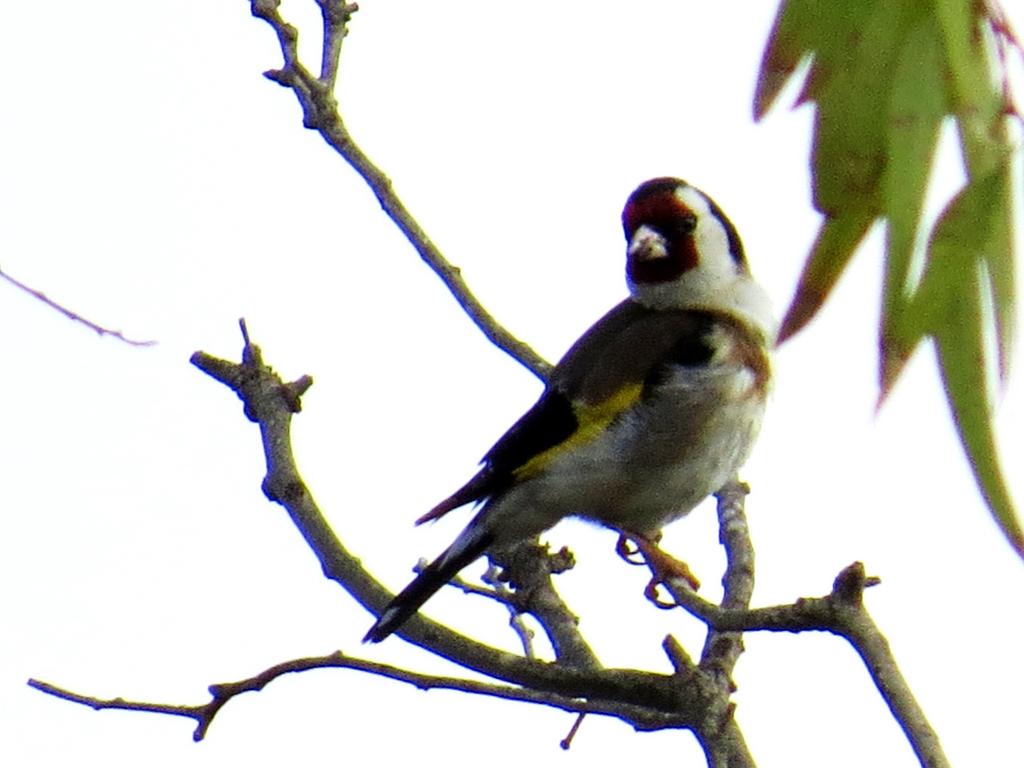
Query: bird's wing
x=607 y=371
x=549 y=423
x=627 y=347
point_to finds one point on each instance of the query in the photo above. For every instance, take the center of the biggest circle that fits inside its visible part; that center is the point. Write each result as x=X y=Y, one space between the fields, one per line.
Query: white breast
x=654 y=464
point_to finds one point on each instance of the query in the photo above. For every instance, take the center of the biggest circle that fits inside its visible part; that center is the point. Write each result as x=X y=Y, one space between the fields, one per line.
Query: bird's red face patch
x=655 y=211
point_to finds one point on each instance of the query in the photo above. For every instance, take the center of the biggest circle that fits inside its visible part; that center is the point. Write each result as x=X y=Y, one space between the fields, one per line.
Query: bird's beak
x=647 y=244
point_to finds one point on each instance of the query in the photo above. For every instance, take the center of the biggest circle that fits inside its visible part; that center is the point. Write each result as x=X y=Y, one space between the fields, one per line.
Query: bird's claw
x=664 y=567
x=651 y=593
x=628 y=550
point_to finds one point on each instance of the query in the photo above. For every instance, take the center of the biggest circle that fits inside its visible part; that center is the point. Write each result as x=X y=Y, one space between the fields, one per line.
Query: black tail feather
x=479 y=486
x=467 y=548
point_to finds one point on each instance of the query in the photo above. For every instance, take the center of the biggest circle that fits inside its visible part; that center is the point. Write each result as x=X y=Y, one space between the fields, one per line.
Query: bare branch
x=72 y=315
x=729 y=749
x=707 y=687
x=842 y=613
x=693 y=697
x=720 y=735
x=320 y=113
x=722 y=650
x=270 y=402
x=222 y=693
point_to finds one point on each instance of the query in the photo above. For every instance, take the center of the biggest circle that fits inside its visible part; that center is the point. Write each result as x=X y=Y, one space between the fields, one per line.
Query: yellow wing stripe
x=592 y=420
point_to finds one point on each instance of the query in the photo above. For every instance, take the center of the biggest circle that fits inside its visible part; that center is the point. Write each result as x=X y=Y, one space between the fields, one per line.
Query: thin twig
x=567 y=741
x=516 y=620
x=336 y=16
x=72 y=315
x=677 y=656
x=195 y=712
x=469 y=588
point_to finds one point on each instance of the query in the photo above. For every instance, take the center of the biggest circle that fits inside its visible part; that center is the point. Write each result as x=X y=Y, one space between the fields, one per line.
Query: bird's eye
x=685 y=224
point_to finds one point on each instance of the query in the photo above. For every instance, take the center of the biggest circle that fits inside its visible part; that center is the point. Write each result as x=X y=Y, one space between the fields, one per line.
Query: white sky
x=154 y=181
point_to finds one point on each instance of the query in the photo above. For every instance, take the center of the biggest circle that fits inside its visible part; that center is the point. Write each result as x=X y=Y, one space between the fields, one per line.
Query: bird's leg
x=663 y=565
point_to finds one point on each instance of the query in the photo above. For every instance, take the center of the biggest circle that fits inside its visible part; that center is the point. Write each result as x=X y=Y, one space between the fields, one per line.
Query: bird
x=652 y=409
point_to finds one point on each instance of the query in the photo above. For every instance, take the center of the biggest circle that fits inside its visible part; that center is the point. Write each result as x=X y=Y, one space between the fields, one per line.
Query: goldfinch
x=651 y=410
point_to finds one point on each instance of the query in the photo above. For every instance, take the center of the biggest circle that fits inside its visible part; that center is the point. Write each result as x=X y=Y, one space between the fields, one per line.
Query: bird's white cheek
x=711 y=236
x=713 y=246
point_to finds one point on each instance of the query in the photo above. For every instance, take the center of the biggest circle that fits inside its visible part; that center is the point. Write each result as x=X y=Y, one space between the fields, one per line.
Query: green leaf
x=949 y=306
x=917 y=105
x=979 y=104
x=883 y=76
x=803 y=28
x=850 y=150
x=975 y=99
x=790 y=40
x=1001 y=262
x=837 y=240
